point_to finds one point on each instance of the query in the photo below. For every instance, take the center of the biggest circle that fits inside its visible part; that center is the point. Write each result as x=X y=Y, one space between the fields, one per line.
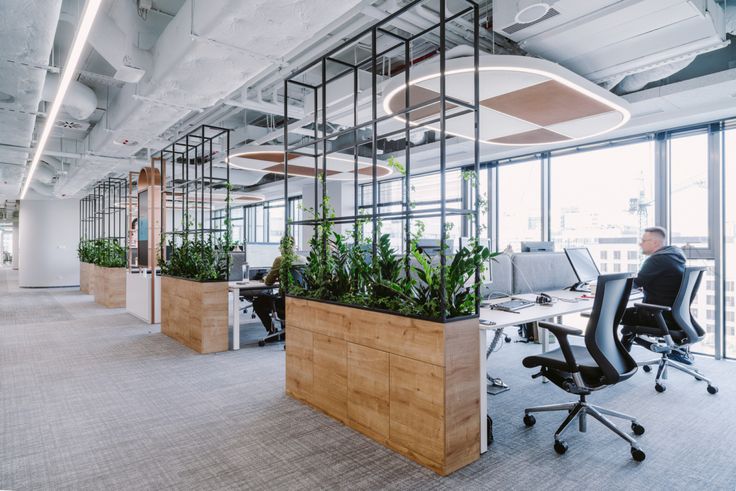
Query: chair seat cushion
x=555 y=360
x=678 y=336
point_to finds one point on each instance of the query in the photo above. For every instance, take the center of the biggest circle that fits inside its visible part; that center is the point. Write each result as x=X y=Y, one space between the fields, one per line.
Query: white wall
x=16 y=243
x=49 y=234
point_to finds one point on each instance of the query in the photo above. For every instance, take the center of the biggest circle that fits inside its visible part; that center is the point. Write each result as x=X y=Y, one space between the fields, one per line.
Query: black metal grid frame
x=319 y=142
x=188 y=183
x=103 y=213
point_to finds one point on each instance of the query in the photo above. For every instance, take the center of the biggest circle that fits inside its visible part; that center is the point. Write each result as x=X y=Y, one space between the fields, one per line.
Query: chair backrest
x=601 y=339
x=681 y=307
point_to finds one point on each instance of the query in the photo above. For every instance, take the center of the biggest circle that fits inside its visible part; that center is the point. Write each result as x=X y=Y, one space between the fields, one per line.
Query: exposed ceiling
x=153 y=70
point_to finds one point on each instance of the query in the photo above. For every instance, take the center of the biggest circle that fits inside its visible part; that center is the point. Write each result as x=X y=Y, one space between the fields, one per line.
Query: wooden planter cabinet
x=407 y=383
x=195 y=313
x=87 y=278
x=109 y=286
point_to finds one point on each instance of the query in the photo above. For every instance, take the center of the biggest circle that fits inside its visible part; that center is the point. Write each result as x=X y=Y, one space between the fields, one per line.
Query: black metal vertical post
x=374 y=145
x=476 y=143
x=356 y=189
x=443 y=157
x=407 y=159
x=323 y=177
x=286 y=160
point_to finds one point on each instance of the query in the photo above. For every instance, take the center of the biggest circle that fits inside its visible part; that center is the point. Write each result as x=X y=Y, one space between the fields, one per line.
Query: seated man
x=659 y=278
x=262 y=304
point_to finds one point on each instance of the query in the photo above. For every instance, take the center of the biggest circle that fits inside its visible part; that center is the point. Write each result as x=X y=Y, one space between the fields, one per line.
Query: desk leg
x=545 y=337
x=236 y=321
x=483 y=394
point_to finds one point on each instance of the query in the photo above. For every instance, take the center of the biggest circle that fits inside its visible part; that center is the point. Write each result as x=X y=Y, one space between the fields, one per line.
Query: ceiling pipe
x=79 y=102
x=115 y=46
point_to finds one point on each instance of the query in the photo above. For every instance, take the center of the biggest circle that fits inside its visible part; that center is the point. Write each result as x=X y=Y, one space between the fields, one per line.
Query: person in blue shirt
x=659 y=278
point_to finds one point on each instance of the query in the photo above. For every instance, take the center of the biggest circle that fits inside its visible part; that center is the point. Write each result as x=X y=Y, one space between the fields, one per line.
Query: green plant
x=107 y=253
x=197 y=259
x=86 y=251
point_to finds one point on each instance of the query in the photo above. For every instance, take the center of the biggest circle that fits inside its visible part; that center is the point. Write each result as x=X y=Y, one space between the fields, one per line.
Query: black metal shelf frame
x=101 y=215
x=187 y=185
x=319 y=140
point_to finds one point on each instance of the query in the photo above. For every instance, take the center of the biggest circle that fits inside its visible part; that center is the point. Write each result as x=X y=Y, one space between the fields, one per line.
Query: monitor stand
x=581 y=286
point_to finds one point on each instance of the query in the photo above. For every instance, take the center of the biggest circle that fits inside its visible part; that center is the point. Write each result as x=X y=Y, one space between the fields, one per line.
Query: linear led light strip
x=625 y=114
x=80 y=39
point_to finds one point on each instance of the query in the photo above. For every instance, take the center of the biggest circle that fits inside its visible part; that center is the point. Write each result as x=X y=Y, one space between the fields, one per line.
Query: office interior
x=134 y=126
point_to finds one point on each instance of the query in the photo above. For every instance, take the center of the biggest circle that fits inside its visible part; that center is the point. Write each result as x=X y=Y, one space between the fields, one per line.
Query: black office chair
x=278 y=322
x=683 y=331
x=580 y=370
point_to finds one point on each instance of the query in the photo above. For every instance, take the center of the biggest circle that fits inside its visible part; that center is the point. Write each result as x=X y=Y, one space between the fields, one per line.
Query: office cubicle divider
x=194 y=251
x=374 y=366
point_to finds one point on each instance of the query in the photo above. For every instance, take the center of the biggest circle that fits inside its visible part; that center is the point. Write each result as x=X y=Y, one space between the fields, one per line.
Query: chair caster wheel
x=637 y=428
x=638 y=454
x=489 y=429
x=712 y=389
x=646 y=368
x=261 y=343
x=529 y=420
x=660 y=388
x=560 y=447
x=507 y=339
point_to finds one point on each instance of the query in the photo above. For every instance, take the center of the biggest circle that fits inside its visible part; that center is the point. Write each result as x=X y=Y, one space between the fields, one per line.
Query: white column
x=49 y=235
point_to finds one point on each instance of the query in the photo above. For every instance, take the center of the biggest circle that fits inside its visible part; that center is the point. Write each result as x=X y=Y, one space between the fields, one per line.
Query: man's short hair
x=660 y=231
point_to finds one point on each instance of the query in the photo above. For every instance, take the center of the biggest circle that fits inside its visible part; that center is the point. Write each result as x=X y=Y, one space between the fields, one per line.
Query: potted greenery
x=194 y=294
x=110 y=259
x=86 y=253
x=370 y=344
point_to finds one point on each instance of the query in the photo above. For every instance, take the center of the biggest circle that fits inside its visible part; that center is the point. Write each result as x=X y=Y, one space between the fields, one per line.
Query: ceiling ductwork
x=632 y=42
x=205 y=53
x=26 y=37
x=79 y=102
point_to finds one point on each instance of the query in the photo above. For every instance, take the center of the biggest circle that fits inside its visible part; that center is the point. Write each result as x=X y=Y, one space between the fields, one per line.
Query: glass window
x=275 y=220
x=632 y=255
x=519 y=203
x=617 y=255
x=689 y=191
x=603 y=199
x=729 y=231
x=604 y=255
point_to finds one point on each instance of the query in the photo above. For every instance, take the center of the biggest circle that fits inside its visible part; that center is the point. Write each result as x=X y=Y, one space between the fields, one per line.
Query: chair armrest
x=658 y=314
x=561 y=329
x=561 y=333
x=650 y=306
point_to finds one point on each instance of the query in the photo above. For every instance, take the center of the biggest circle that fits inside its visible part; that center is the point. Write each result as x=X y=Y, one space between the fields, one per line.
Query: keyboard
x=512 y=305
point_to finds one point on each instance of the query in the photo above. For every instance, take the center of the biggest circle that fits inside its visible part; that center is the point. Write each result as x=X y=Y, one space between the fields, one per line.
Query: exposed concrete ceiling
x=223 y=62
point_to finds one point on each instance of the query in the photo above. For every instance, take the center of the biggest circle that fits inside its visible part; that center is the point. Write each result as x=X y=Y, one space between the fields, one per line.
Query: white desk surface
x=250 y=285
x=565 y=302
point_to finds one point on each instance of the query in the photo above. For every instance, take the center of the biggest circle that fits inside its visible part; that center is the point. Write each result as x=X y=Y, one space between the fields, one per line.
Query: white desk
x=235 y=288
x=565 y=302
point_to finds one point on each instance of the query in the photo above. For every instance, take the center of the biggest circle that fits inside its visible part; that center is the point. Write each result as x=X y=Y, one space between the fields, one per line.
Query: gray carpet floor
x=92 y=398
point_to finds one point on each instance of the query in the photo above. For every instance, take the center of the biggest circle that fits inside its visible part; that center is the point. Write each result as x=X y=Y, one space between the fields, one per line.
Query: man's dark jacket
x=661 y=274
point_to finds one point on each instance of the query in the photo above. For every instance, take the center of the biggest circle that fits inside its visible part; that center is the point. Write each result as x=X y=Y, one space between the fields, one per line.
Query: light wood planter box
x=195 y=313
x=87 y=278
x=109 y=286
x=407 y=383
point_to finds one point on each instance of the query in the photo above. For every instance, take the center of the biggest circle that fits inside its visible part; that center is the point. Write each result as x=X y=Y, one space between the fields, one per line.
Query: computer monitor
x=538 y=246
x=261 y=255
x=584 y=267
x=432 y=247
